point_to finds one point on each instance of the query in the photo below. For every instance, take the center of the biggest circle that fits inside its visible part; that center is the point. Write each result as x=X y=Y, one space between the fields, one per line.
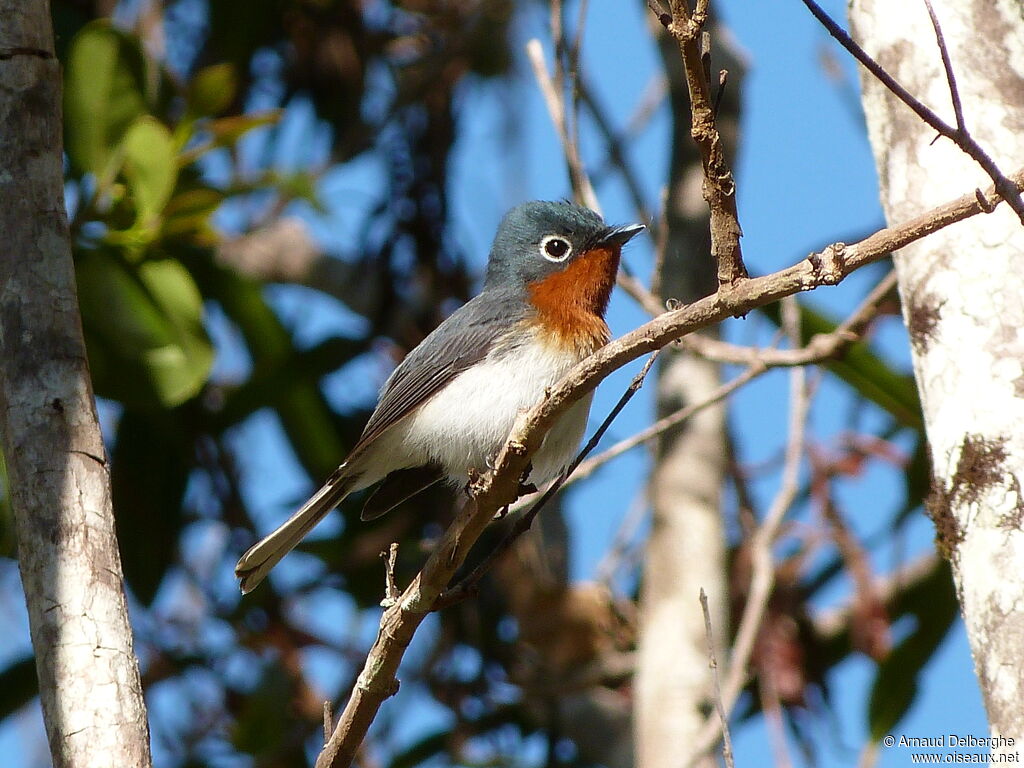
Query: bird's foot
x=525 y=486
x=475 y=484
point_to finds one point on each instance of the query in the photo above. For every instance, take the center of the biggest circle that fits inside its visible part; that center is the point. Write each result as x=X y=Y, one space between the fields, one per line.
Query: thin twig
x=328 y=724
x=582 y=189
x=1005 y=186
x=719 y=187
x=623 y=543
x=954 y=92
x=636 y=290
x=820 y=347
x=666 y=423
x=660 y=234
x=713 y=661
x=616 y=152
x=574 y=69
x=391 y=592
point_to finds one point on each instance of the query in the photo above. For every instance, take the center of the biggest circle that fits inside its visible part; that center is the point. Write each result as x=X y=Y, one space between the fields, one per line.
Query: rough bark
x=686 y=549
x=963 y=301
x=59 y=481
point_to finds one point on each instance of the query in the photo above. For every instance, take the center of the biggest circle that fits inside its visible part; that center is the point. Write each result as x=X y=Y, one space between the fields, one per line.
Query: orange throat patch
x=571 y=304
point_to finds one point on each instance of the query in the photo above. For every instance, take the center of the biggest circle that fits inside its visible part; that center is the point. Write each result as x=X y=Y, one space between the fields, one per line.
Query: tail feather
x=255 y=564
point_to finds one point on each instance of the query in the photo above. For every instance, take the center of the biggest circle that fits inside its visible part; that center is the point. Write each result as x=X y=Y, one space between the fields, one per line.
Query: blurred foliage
x=166 y=154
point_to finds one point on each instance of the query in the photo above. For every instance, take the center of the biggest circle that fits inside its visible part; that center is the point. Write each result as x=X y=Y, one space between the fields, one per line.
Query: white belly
x=465 y=424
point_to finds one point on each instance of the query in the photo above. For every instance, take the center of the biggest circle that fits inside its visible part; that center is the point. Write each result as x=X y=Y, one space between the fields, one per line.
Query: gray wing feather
x=465 y=338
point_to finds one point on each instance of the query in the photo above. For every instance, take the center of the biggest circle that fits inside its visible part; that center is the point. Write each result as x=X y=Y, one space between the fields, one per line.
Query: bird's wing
x=465 y=338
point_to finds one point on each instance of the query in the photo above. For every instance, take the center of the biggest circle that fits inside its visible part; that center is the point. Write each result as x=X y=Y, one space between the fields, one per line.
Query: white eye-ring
x=555 y=248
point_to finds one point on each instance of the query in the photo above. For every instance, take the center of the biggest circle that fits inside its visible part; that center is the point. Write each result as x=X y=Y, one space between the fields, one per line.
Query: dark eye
x=555 y=248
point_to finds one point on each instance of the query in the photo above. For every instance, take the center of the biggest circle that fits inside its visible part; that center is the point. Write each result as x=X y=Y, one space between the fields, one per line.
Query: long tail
x=255 y=564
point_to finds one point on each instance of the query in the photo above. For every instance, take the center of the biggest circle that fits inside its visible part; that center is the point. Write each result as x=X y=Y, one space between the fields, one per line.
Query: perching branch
x=499 y=486
x=522 y=524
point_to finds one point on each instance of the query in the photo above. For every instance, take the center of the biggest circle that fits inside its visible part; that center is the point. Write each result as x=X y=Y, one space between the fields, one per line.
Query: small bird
x=448 y=408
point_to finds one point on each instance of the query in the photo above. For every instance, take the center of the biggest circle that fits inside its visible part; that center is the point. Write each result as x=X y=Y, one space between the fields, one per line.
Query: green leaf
x=212 y=90
x=104 y=93
x=933 y=604
x=150 y=167
x=18 y=686
x=228 y=130
x=150 y=469
x=189 y=212
x=144 y=331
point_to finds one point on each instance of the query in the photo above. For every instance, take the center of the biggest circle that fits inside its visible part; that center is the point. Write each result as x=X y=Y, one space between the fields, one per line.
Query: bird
x=450 y=405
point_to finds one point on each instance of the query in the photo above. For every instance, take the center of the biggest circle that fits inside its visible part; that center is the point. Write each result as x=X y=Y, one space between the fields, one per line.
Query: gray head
x=538 y=239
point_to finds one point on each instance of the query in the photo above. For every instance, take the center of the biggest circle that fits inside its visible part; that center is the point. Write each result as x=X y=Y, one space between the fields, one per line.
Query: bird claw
x=525 y=486
x=525 y=489
x=475 y=483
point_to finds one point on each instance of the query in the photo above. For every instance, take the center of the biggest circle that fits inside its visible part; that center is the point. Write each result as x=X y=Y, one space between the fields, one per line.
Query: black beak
x=619 y=236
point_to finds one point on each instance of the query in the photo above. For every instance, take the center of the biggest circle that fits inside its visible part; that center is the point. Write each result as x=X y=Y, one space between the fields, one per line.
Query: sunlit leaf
x=104 y=93
x=149 y=167
x=226 y=132
x=144 y=331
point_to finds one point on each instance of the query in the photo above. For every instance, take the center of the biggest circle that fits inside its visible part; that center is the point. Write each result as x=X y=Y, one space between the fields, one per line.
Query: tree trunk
x=686 y=549
x=963 y=302
x=59 y=484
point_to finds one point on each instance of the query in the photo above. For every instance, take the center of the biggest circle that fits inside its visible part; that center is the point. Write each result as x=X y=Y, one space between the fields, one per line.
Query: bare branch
x=947 y=65
x=616 y=152
x=1006 y=187
x=820 y=347
x=759 y=361
x=719 y=185
x=666 y=423
x=713 y=660
x=553 y=97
